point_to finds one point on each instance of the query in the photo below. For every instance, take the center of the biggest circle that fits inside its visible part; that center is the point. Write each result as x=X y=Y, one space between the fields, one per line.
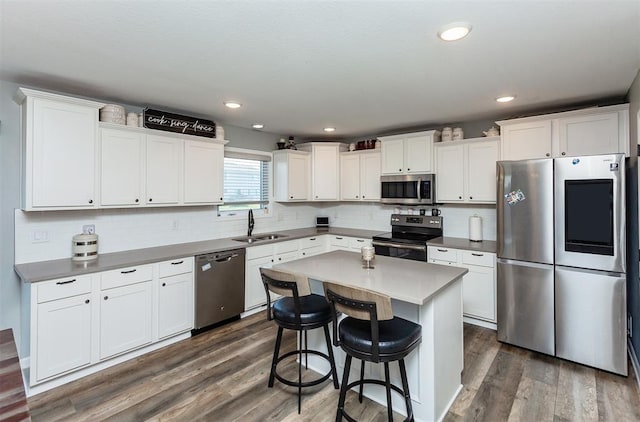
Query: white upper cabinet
x=203 y=172
x=589 y=135
x=360 y=176
x=163 y=170
x=370 y=175
x=449 y=172
x=528 y=140
x=325 y=169
x=408 y=153
x=121 y=167
x=59 y=149
x=292 y=172
x=350 y=176
x=600 y=130
x=466 y=170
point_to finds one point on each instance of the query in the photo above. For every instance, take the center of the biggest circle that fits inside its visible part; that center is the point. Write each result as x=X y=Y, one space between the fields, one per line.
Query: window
x=246 y=180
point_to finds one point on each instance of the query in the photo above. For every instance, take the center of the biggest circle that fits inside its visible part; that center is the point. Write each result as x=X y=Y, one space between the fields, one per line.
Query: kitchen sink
x=256 y=238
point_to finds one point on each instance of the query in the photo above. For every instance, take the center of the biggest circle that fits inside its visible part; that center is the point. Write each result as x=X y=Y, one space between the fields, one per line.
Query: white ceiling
x=365 y=67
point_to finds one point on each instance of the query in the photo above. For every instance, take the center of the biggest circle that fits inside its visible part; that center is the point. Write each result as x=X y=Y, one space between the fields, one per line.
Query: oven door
x=589 y=212
x=410 y=189
x=415 y=252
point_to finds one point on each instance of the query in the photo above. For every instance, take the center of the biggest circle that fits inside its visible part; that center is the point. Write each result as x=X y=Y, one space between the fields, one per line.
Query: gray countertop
x=402 y=279
x=462 y=243
x=60 y=268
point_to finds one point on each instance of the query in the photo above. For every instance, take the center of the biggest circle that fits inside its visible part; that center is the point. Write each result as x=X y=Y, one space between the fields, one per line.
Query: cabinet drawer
x=176 y=266
x=64 y=287
x=355 y=243
x=311 y=242
x=317 y=250
x=285 y=247
x=483 y=259
x=339 y=241
x=256 y=252
x=125 y=276
x=443 y=254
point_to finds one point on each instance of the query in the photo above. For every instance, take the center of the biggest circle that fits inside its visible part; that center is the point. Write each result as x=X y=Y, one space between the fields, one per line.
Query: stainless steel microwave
x=410 y=189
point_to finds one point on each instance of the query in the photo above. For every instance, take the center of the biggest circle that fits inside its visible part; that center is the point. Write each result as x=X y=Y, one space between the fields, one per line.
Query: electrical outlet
x=89 y=229
x=39 y=236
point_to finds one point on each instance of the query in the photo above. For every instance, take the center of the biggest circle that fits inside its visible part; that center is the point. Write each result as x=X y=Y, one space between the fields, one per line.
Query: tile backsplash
x=46 y=235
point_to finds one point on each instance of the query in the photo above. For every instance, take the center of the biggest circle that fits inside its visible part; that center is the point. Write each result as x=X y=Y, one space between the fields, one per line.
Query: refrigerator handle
x=523 y=263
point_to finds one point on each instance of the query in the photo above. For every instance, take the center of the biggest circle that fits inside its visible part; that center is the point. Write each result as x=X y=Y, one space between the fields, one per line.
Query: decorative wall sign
x=162 y=120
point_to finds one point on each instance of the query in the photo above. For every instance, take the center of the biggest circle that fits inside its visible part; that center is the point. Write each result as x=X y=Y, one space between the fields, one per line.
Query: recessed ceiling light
x=329 y=129
x=454 y=31
x=232 y=104
x=257 y=126
x=506 y=98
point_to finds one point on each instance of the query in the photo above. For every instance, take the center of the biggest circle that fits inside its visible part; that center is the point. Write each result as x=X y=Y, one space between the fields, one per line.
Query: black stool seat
x=316 y=311
x=397 y=337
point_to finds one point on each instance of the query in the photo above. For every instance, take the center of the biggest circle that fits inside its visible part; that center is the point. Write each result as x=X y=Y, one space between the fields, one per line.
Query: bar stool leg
x=388 y=386
x=300 y=375
x=274 y=362
x=405 y=389
x=332 y=362
x=343 y=388
x=361 y=379
x=306 y=355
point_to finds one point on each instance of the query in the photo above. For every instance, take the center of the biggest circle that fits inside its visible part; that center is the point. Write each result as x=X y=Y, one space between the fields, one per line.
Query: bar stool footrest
x=308 y=383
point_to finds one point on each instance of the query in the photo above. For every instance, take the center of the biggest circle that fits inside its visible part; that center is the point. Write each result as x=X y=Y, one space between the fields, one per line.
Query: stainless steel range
x=408 y=237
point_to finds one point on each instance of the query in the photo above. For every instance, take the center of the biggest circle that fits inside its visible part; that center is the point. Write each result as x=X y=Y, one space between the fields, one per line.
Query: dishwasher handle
x=226 y=258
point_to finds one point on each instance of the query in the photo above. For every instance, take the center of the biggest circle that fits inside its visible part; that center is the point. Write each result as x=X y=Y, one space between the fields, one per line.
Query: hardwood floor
x=221 y=375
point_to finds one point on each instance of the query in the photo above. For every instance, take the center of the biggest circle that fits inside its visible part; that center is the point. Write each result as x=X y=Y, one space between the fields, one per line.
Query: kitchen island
x=428 y=294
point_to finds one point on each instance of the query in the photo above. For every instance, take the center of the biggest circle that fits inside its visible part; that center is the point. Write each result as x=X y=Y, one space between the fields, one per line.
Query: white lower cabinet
x=478 y=285
x=125 y=318
x=64 y=336
x=80 y=321
x=175 y=297
x=264 y=256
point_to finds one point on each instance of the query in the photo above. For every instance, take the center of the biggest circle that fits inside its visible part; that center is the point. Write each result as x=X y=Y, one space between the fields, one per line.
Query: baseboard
x=253 y=311
x=480 y=323
x=634 y=361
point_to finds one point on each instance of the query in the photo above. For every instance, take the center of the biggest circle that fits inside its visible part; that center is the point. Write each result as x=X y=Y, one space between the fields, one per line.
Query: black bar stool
x=298 y=310
x=371 y=333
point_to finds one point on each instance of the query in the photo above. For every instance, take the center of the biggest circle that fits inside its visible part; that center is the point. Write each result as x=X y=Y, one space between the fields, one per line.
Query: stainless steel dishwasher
x=219 y=287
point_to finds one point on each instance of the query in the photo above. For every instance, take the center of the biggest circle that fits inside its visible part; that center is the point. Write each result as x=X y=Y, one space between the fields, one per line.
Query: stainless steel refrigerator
x=561 y=258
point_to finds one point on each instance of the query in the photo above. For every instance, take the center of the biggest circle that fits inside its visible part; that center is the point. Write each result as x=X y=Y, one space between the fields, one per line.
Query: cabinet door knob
x=399 y=169
x=316 y=196
x=164 y=284
x=304 y=253
x=91 y=201
x=408 y=169
x=137 y=200
x=87 y=301
x=272 y=260
x=459 y=197
x=356 y=196
x=564 y=153
x=279 y=259
x=471 y=197
x=548 y=155
x=150 y=199
x=106 y=297
x=221 y=198
x=291 y=197
x=362 y=196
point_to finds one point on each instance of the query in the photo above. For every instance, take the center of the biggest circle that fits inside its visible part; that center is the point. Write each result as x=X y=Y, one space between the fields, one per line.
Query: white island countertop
x=402 y=279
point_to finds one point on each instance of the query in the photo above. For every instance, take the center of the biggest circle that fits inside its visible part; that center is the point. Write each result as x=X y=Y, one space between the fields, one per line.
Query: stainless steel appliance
x=411 y=189
x=408 y=237
x=219 y=287
x=561 y=258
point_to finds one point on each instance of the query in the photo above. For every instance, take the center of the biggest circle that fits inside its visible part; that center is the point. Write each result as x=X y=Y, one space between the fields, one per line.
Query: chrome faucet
x=251 y=222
